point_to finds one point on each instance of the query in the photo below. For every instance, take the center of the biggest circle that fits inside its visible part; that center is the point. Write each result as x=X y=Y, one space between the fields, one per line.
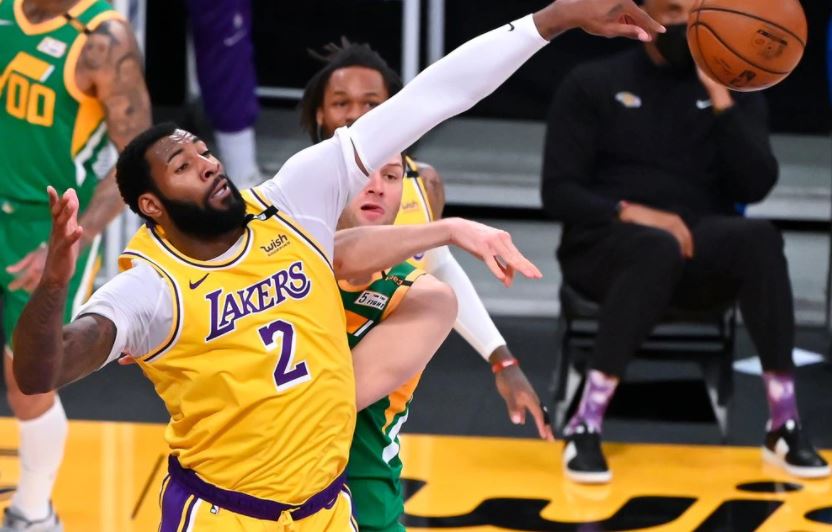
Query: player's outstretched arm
x=455 y=83
x=47 y=354
x=362 y=251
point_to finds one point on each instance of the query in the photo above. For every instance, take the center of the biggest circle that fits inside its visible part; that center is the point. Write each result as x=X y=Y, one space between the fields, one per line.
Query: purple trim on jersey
x=243 y=504
x=173 y=504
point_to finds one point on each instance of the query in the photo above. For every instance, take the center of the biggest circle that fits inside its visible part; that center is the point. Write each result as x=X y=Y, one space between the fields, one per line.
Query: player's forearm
x=362 y=251
x=105 y=205
x=472 y=322
x=38 y=339
x=448 y=87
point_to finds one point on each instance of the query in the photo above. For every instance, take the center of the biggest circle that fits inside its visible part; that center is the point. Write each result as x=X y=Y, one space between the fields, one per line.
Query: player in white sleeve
x=254 y=366
x=354 y=80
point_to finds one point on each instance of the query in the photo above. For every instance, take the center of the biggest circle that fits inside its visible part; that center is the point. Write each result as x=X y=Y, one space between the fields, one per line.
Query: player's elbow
x=439 y=300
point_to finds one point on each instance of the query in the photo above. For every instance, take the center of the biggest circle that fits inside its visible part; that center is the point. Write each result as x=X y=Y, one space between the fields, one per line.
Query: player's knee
x=658 y=255
x=29 y=406
x=762 y=238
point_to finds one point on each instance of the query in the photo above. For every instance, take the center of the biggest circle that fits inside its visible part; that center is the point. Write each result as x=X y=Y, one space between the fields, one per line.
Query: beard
x=207 y=222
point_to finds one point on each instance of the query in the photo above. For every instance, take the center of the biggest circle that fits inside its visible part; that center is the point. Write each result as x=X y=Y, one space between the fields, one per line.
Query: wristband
x=497 y=367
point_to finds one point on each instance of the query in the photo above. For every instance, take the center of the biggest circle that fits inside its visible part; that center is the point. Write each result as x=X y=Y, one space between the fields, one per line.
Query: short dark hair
x=334 y=57
x=133 y=170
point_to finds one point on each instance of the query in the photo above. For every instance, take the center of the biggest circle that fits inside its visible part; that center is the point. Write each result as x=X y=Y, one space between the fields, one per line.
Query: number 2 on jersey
x=286 y=374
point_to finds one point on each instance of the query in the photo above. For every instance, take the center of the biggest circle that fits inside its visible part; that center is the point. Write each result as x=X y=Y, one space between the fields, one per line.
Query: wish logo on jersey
x=276 y=245
x=228 y=307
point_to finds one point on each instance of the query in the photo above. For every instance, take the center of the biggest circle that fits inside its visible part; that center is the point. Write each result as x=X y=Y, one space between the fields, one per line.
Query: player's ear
x=150 y=206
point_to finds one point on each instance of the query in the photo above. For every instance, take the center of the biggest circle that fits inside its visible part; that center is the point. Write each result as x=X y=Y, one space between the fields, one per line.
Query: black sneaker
x=789 y=448
x=583 y=460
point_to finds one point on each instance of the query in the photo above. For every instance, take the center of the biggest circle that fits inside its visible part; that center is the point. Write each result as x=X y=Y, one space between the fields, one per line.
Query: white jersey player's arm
x=332 y=171
x=447 y=88
x=315 y=185
x=473 y=322
x=139 y=304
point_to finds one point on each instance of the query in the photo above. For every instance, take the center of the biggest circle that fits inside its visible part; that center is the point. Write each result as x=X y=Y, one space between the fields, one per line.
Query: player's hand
x=492 y=246
x=28 y=270
x=721 y=98
x=65 y=239
x=605 y=18
x=666 y=221
x=520 y=397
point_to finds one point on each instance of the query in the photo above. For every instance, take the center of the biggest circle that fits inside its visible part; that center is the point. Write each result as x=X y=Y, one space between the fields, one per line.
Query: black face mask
x=206 y=222
x=673 y=45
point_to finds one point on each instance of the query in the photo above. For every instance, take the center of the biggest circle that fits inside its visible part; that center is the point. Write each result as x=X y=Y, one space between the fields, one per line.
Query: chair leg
x=726 y=376
x=714 y=382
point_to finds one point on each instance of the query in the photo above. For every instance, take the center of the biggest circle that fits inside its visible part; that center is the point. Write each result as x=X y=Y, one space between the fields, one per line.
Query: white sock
x=41 y=450
x=238 y=154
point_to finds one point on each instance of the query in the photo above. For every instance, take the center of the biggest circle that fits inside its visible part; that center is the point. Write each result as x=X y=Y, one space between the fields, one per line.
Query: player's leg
x=632 y=271
x=408 y=339
x=42 y=420
x=43 y=427
x=378 y=505
x=751 y=252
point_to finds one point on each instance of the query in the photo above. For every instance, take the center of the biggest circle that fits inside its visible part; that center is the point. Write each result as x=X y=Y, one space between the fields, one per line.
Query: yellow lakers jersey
x=255 y=372
x=415 y=206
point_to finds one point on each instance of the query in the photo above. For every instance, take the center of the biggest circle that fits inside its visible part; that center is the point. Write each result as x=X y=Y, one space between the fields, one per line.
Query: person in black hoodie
x=647 y=162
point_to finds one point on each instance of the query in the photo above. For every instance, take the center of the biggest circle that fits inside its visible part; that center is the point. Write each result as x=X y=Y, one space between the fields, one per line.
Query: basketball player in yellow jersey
x=354 y=80
x=229 y=300
x=71 y=87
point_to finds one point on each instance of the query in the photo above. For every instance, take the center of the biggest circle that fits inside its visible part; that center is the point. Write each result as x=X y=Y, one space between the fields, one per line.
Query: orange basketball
x=747 y=45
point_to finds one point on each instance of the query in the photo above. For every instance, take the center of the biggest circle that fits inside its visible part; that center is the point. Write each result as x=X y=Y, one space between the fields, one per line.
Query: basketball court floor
x=113 y=471
x=468 y=468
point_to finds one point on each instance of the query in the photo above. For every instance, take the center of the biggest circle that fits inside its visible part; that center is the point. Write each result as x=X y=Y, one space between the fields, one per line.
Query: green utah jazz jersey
x=375 y=447
x=52 y=133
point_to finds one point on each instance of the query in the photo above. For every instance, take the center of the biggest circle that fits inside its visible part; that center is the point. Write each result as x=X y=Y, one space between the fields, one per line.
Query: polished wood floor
x=112 y=472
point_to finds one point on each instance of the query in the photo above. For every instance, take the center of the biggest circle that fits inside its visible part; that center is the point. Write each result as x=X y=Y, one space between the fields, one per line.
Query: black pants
x=637 y=272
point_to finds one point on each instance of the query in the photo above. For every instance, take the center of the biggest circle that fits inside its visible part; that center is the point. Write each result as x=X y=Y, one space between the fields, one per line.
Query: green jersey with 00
x=51 y=133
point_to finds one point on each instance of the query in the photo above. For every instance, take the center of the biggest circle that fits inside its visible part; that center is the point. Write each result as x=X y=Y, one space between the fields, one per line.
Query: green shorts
x=377 y=505
x=21 y=232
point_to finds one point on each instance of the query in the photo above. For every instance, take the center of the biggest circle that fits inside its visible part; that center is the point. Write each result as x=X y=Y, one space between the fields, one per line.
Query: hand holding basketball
x=747 y=45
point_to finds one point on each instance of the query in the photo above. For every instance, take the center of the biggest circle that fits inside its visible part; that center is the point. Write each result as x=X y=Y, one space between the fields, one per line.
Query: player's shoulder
x=424 y=170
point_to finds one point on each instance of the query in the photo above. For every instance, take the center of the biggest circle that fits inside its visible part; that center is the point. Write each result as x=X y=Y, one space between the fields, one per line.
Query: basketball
x=747 y=45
